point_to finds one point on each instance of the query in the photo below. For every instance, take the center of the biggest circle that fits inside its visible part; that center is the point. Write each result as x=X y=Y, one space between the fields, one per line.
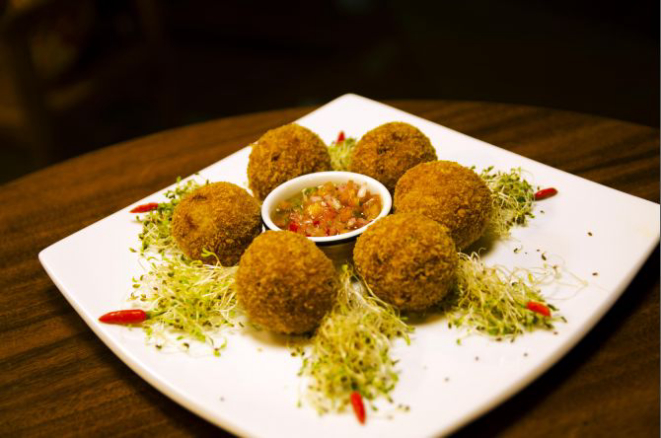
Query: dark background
x=79 y=75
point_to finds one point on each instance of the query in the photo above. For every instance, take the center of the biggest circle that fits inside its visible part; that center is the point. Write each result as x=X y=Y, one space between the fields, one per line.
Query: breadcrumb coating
x=407 y=260
x=285 y=283
x=282 y=154
x=449 y=193
x=385 y=153
x=221 y=217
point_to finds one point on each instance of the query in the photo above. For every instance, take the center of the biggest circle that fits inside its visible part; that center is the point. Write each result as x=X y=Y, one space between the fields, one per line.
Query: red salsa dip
x=328 y=210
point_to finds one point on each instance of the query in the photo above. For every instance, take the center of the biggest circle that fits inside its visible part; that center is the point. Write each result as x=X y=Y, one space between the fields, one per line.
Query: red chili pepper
x=358 y=406
x=131 y=316
x=144 y=208
x=340 y=137
x=538 y=308
x=293 y=226
x=545 y=193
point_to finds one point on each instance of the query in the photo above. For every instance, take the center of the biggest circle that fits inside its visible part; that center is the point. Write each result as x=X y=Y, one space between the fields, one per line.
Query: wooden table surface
x=57 y=378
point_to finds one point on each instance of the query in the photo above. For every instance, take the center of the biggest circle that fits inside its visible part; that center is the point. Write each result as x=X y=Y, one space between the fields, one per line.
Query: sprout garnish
x=187 y=297
x=493 y=300
x=350 y=350
x=340 y=153
x=513 y=199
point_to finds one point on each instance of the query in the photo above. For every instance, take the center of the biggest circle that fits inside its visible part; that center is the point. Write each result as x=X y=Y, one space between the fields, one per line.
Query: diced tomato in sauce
x=328 y=210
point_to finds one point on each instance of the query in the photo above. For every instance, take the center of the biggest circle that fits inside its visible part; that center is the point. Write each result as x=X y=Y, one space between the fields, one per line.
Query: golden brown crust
x=407 y=260
x=282 y=154
x=220 y=217
x=285 y=283
x=449 y=193
x=385 y=153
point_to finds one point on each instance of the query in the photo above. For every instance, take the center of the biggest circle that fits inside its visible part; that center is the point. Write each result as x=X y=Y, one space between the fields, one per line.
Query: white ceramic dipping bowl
x=338 y=248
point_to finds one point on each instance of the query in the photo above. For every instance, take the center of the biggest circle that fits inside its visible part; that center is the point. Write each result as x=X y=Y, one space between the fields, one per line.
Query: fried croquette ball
x=449 y=193
x=221 y=217
x=285 y=283
x=407 y=260
x=282 y=154
x=388 y=151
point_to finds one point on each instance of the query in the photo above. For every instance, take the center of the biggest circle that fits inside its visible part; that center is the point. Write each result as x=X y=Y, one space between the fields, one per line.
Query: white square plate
x=253 y=389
